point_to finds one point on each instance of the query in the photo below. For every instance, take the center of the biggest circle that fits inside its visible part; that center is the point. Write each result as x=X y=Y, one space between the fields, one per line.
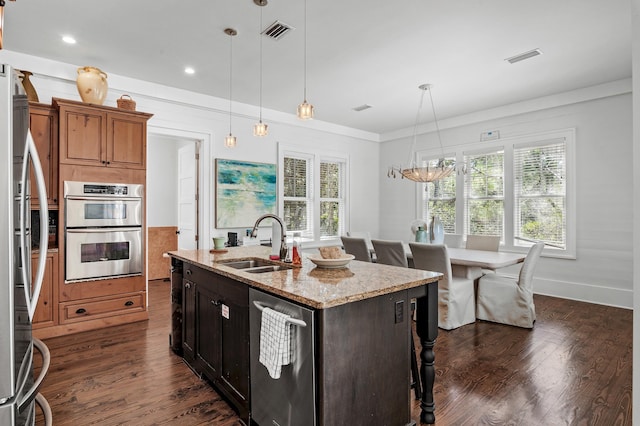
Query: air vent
x=362 y=107
x=523 y=56
x=277 y=30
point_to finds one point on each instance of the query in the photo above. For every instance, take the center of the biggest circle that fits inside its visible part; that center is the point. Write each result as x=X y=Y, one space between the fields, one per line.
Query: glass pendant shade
x=230 y=141
x=260 y=129
x=305 y=111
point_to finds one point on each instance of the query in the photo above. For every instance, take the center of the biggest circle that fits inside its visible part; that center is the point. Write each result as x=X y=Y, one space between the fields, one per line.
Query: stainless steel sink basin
x=245 y=264
x=262 y=269
x=255 y=266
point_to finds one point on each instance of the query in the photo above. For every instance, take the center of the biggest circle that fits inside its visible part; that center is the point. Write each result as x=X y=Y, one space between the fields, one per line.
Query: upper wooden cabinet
x=44 y=129
x=92 y=135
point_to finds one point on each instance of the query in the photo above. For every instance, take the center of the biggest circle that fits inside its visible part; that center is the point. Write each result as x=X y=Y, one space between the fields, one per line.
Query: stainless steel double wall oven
x=103 y=230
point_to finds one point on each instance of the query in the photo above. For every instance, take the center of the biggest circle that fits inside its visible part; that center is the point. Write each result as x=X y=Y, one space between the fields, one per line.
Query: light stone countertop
x=309 y=285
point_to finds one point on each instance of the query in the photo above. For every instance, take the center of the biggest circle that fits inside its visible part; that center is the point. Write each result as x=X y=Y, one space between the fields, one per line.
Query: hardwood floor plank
x=573 y=368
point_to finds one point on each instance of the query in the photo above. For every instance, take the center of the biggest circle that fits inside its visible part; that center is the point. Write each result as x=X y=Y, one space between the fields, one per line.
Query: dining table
x=470 y=263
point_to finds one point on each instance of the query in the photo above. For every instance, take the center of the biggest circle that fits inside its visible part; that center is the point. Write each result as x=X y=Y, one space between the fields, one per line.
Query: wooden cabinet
x=216 y=332
x=83 y=310
x=43 y=123
x=92 y=135
x=45 y=309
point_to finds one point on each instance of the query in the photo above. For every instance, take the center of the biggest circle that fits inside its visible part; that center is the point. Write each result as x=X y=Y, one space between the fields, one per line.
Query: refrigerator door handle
x=44 y=226
x=46 y=362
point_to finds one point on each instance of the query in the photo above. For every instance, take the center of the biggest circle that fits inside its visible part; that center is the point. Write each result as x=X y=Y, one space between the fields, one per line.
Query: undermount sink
x=256 y=266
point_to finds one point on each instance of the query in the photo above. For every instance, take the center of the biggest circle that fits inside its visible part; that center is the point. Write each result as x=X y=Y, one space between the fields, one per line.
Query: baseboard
x=584 y=292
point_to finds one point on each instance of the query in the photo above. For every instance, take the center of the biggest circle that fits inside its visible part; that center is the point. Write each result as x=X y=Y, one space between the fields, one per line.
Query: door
x=188 y=197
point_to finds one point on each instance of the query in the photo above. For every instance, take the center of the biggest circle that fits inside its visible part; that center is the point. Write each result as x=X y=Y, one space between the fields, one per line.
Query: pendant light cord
x=230 y=77
x=305 y=51
x=260 y=35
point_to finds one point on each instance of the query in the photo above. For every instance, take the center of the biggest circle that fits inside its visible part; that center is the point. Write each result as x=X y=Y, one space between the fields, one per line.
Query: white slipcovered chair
x=483 y=242
x=453 y=240
x=357 y=247
x=507 y=300
x=390 y=253
x=456 y=299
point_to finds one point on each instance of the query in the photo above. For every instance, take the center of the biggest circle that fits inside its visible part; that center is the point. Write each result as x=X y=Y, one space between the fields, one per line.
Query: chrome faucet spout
x=283 y=229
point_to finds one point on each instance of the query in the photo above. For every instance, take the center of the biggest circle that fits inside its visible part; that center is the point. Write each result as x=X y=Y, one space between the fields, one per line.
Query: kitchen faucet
x=283 y=232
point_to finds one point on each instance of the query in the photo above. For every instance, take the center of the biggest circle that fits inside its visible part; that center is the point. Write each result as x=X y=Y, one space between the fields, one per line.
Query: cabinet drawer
x=98 y=308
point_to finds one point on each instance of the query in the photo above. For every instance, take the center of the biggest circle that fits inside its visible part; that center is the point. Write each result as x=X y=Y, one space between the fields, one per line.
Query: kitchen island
x=361 y=326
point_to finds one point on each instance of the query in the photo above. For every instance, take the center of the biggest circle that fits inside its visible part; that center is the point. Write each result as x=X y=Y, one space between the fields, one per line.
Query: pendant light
x=260 y=129
x=230 y=141
x=305 y=109
x=426 y=173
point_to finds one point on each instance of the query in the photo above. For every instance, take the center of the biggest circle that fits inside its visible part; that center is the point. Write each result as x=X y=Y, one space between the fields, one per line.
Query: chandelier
x=430 y=172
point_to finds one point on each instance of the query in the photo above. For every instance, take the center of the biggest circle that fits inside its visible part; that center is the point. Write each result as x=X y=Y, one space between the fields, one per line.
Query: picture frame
x=244 y=190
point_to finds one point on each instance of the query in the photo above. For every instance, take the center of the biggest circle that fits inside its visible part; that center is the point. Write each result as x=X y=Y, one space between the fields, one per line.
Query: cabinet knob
x=187 y=285
x=81 y=311
x=216 y=302
x=188 y=271
x=128 y=303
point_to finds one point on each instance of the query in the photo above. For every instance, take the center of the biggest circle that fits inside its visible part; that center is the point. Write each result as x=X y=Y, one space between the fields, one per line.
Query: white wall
x=162 y=181
x=194 y=116
x=603 y=270
x=635 y=23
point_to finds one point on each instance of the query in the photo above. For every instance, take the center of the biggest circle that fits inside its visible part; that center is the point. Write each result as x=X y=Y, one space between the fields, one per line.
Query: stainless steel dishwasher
x=289 y=400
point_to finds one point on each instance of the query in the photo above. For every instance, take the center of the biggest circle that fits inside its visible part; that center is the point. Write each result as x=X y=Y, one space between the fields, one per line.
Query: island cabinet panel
x=215 y=332
x=364 y=362
x=43 y=123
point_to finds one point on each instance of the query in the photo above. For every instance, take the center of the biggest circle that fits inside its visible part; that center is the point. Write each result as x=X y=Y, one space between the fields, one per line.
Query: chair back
x=453 y=240
x=361 y=234
x=432 y=257
x=483 y=242
x=390 y=253
x=525 y=279
x=357 y=247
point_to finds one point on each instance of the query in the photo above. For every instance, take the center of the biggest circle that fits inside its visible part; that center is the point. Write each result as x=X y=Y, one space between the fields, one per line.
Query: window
x=439 y=199
x=314 y=199
x=484 y=194
x=521 y=189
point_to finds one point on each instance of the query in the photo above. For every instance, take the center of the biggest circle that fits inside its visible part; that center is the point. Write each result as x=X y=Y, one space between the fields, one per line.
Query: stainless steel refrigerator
x=18 y=294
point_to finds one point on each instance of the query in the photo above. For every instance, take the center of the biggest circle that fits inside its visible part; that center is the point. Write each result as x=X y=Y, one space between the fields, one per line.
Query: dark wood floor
x=573 y=368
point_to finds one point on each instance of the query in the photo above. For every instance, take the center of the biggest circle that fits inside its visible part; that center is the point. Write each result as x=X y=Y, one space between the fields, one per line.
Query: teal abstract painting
x=244 y=192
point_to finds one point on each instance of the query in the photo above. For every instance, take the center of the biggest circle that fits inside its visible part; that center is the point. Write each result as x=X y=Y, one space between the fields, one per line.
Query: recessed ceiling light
x=68 y=39
x=189 y=70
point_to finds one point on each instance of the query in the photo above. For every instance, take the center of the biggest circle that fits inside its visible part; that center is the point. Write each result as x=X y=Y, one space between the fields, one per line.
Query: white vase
x=436 y=232
x=92 y=85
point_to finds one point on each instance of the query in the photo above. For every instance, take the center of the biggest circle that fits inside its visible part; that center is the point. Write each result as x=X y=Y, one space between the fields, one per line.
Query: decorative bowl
x=332 y=263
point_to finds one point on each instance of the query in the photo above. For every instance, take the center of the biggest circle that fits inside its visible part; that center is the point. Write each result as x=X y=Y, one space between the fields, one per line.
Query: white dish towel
x=275 y=341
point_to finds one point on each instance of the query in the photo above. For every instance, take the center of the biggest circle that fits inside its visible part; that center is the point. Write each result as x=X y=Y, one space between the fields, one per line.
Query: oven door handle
x=102 y=198
x=101 y=230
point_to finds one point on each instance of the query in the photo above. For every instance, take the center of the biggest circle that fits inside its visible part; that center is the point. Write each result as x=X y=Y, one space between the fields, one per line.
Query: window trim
x=315 y=156
x=508 y=144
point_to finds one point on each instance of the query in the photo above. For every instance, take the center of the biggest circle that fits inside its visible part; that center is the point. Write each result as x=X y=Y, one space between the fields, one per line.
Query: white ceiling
x=372 y=52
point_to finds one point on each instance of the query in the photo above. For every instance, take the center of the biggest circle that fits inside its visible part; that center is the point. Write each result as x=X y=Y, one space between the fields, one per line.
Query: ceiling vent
x=523 y=56
x=277 y=30
x=362 y=107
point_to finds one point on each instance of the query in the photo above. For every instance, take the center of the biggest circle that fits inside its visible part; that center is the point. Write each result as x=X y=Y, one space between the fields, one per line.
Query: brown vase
x=28 y=87
x=92 y=85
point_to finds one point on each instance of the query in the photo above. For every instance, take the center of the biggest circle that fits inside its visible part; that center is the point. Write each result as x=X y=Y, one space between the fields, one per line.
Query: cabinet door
x=234 y=336
x=82 y=136
x=44 y=309
x=126 y=141
x=188 y=319
x=208 y=333
x=44 y=129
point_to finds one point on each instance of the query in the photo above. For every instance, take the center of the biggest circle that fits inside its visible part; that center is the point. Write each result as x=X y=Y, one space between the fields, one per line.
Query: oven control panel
x=106 y=190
